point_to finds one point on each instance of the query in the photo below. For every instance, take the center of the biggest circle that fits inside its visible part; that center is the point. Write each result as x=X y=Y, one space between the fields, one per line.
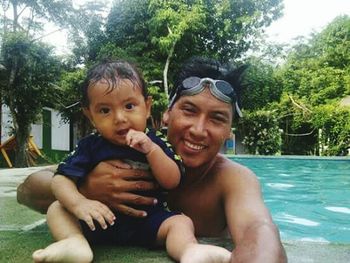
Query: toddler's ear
x=87 y=114
x=166 y=117
x=148 y=106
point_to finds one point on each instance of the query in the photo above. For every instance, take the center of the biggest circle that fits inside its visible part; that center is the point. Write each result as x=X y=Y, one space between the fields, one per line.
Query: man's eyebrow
x=188 y=102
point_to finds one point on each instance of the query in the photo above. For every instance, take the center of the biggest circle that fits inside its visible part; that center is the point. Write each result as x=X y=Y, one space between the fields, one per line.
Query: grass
x=17 y=246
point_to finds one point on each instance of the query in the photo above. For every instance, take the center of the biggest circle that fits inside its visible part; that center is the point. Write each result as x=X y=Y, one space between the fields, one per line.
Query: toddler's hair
x=112 y=72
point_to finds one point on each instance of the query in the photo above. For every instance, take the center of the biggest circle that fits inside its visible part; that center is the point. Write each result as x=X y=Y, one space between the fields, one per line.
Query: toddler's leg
x=178 y=234
x=71 y=245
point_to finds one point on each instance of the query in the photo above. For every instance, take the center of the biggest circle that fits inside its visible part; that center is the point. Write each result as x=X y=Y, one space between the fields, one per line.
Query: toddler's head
x=114 y=98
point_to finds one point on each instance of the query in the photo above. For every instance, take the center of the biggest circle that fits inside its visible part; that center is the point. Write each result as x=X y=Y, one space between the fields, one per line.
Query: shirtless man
x=218 y=195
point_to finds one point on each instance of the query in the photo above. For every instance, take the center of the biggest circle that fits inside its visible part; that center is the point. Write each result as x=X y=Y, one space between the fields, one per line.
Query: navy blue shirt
x=93 y=149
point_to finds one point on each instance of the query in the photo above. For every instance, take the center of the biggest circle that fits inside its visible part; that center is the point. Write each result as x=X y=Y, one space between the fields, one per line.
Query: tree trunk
x=15 y=16
x=22 y=134
x=166 y=68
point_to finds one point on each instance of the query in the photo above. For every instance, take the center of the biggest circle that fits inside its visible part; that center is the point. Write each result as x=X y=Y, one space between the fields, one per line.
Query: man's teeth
x=194 y=146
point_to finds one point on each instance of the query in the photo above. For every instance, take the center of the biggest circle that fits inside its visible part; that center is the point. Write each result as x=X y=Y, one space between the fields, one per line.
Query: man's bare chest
x=203 y=205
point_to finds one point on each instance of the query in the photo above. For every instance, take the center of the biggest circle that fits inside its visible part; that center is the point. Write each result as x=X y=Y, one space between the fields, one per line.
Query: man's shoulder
x=230 y=169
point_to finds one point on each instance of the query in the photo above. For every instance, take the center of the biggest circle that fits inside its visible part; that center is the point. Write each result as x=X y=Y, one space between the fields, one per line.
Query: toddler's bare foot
x=198 y=253
x=74 y=249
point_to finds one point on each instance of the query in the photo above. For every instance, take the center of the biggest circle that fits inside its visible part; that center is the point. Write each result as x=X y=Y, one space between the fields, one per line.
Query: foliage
x=319 y=70
x=159 y=105
x=220 y=29
x=261 y=134
x=261 y=86
x=88 y=34
x=170 y=22
x=299 y=137
x=334 y=125
x=315 y=76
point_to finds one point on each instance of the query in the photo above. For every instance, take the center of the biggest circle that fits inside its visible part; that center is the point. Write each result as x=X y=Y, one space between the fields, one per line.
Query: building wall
x=50 y=133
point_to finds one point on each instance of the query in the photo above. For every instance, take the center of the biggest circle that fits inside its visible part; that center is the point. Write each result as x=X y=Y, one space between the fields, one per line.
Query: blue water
x=309 y=199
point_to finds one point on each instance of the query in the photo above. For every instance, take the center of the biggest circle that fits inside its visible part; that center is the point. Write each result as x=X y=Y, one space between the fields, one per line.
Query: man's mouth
x=192 y=146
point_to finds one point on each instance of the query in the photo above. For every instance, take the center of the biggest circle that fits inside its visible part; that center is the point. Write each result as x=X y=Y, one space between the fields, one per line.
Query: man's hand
x=90 y=210
x=113 y=183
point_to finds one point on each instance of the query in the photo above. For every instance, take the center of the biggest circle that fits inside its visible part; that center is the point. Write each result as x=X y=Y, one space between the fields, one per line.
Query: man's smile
x=195 y=147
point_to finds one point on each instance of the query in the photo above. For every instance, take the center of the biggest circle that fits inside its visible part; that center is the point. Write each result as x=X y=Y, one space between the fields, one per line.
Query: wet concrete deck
x=20 y=224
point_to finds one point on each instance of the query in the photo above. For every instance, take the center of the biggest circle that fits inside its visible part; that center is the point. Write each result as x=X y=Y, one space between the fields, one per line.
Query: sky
x=301 y=17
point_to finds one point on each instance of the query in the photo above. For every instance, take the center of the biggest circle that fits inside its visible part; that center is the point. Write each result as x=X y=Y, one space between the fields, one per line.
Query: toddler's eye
x=104 y=110
x=129 y=106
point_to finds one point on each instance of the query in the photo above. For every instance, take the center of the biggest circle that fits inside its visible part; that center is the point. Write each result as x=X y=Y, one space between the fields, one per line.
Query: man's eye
x=104 y=110
x=129 y=106
x=188 y=110
x=219 y=119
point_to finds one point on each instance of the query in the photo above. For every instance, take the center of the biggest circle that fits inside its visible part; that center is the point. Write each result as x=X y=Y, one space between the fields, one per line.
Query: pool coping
x=297 y=157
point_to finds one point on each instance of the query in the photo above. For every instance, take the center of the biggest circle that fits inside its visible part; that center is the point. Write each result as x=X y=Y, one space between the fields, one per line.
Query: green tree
x=261 y=85
x=28 y=85
x=170 y=21
x=31 y=69
x=156 y=30
x=315 y=74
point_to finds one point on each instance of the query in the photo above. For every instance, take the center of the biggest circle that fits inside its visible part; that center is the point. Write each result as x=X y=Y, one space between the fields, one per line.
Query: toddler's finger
x=107 y=214
x=90 y=222
x=100 y=219
x=110 y=217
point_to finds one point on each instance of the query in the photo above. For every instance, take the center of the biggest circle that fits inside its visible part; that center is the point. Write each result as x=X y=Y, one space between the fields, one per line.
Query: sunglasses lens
x=190 y=82
x=225 y=88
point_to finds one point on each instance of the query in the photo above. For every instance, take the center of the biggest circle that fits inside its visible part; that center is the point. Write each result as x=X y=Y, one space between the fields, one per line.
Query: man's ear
x=166 y=117
x=148 y=105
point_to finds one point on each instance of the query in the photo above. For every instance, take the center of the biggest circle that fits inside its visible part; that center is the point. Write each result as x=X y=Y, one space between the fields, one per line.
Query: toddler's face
x=114 y=112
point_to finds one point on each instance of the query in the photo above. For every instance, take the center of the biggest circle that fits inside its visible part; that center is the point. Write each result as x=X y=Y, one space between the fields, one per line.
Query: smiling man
x=220 y=196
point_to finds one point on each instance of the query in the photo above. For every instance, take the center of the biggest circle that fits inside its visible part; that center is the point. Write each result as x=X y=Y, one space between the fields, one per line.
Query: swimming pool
x=309 y=198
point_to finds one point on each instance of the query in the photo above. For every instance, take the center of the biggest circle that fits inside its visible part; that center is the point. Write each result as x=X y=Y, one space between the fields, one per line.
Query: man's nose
x=199 y=127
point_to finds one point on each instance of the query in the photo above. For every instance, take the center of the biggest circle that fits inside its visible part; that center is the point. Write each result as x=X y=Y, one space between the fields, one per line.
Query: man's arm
x=255 y=236
x=107 y=183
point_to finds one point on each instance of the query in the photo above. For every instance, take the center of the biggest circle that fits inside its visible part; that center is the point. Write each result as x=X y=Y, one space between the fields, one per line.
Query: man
x=219 y=195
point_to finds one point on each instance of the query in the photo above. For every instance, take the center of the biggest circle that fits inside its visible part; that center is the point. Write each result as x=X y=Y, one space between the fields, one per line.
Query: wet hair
x=210 y=68
x=112 y=72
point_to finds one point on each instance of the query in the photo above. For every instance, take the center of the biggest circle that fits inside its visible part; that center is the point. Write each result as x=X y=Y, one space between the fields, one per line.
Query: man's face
x=197 y=127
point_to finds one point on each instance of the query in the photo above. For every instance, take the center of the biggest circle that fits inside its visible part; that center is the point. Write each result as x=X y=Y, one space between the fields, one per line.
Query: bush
x=261 y=134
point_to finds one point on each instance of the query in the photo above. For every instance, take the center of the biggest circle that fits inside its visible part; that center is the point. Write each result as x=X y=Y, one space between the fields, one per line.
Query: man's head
x=200 y=116
x=200 y=73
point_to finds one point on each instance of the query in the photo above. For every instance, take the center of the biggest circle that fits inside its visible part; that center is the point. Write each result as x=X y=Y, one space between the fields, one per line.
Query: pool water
x=309 y=198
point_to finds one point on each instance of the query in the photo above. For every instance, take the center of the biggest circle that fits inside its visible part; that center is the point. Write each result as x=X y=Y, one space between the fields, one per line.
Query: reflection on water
x=309 y=198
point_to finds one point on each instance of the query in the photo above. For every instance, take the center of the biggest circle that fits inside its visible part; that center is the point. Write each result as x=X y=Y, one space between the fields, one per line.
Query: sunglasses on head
x=220 y=89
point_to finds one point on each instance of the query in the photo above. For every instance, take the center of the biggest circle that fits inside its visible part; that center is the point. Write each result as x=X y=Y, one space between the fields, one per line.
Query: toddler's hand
x=139 y=141
x=89 y=210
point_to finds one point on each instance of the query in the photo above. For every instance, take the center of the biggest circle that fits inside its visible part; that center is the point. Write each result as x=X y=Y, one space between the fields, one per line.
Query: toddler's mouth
x=122 y=132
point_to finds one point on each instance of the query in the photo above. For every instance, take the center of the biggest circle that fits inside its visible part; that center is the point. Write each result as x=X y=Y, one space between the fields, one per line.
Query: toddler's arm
x=82 y=208
x=163 y=168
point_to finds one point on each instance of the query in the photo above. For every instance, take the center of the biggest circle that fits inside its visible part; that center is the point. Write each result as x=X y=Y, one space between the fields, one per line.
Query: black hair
x=203 y=67
x=112 y=71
